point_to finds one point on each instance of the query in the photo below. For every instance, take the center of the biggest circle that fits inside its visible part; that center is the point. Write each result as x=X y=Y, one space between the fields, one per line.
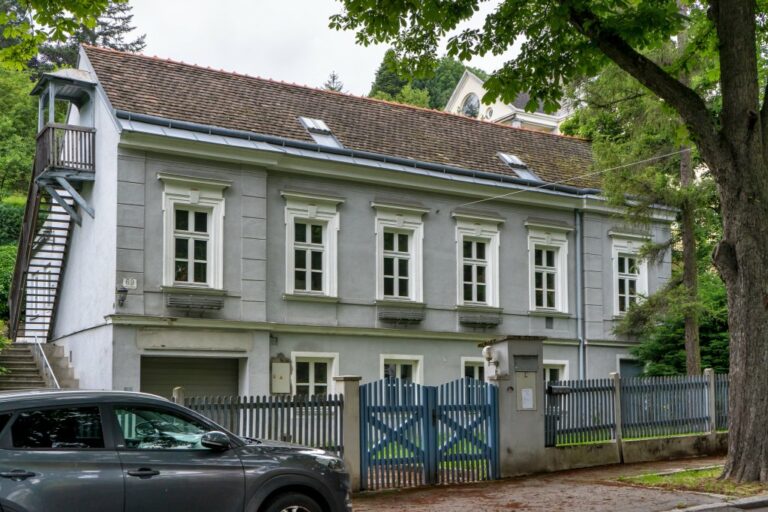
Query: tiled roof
x=157 y=87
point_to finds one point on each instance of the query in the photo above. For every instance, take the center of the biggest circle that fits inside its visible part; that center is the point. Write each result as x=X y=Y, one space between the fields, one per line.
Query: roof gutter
x=292 y=143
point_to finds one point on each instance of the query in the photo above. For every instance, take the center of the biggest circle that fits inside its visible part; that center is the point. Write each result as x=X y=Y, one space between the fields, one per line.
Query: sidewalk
x=593 y=489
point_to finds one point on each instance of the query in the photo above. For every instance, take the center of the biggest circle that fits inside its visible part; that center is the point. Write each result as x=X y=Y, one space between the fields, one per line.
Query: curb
x=752 y=503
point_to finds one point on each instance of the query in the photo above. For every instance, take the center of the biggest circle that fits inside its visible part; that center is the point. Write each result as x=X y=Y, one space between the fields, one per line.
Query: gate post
x=350 y=420
x=514 y=365
x=177 y=395
x=709 y=375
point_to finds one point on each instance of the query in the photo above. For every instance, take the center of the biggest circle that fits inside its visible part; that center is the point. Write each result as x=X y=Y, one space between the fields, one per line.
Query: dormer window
x=470 y=107
x=320 y=132
x=520 y=167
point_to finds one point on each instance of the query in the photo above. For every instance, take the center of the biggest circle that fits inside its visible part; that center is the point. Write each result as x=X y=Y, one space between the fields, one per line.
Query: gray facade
x=256 y=322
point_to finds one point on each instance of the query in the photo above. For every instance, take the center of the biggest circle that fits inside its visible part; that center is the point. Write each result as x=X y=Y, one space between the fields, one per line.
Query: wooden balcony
x=66 y=148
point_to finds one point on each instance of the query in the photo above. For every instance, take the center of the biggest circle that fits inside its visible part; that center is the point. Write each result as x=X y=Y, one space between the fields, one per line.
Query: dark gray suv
x=104 y=451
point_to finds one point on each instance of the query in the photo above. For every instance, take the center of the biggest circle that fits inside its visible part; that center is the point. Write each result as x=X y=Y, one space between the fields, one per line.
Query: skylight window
x=320 y=132
x=520 y=167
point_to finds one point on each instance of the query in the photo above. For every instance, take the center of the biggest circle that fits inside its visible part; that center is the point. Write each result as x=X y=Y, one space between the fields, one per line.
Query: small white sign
x=130 y=283
x=527 y=395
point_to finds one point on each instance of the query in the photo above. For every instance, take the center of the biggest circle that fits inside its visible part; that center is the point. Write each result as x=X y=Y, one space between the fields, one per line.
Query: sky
x=285 y=40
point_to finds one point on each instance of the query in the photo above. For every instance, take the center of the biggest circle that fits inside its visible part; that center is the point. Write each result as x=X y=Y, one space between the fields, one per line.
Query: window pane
x=390 y=371
x=302 y=390
x=468 y=292
x=538 y=280
x=300 y=232
x=554 y=374
x=402 y=243
x=481 y=373
x=468 y=273
x=469 y=371
x=182 y=248
x=201 y=222
x=550 y=258
x=317 y=260
x=300 y=280
x=467 y=249
x=539 y=299
x=622 y=287
x=402 y=268
x=201 y=270
x=402 y=290
x=389 y=266
x=632 y=299
x=389 y=286
x=480 y=274
x=550 y=299
x=632 y=286
x=155 y=429
x=302 y=371
x=317 y=281
x=632 y=264
x=389 y=241
x=551 y=281
x=321 y=389
x=537 y=257
x=622 y=304
x=406 y=372
x=58 y=428
x=621 y=265
x=182 y=220
x=321 y=373
x=201 y=250
x=481 y=293
x=300 y=259
x=317 y=234
x=480 y=249
x=182 y=271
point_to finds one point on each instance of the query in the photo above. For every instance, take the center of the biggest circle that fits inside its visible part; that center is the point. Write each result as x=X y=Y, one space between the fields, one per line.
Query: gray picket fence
x=310 y=421
x=584 y=415
x=721 y=402
x=578 y=412
x=663 y=406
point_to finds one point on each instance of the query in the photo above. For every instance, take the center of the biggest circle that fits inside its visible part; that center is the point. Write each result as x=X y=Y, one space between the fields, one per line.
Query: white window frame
x=313 y=209
x=549 y=237
x=416 y=360
x=478 y=229
x=561 y=364
x=628 y=245
x=408 y=220
x=332 y=358
x=195 y=194
x=472 y=361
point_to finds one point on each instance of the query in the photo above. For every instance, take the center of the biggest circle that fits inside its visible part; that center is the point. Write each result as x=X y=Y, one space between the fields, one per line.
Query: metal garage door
x=200 y=376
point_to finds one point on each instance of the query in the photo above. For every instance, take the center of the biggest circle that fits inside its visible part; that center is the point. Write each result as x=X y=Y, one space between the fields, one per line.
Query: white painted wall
x=90 y=354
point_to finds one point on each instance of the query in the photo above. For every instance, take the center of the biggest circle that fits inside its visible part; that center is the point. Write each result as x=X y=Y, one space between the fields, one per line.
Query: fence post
x=617 y=412
x=177 y=395
x=709 y=375
x=350 y=420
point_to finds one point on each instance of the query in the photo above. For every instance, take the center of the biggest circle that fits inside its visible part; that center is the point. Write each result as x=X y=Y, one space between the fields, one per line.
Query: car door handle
x=144 y=472
x=16 y=474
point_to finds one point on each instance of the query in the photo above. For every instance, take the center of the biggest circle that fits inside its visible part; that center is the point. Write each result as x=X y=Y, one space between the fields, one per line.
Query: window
x=407 y=368
x=474 y=368
x=630 y=275
x=320 y=132
x=312 y=372
x=471 y=105
x=521 y=168
x=193 y=227
x=548 y=265
x=312 y=225
x=478 y=255
x=158 y=429
x=399 y=236
x=555 y=370
x=65 y=429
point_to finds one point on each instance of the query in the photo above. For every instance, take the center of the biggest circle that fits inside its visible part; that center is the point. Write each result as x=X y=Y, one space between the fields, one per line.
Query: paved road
x=577 y=490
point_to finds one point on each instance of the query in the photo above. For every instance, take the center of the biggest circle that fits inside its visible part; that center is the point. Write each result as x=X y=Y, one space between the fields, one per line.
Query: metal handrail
x=47 y=365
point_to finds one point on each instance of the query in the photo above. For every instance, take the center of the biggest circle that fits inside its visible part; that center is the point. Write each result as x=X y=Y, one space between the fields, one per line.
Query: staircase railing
x=48 y=373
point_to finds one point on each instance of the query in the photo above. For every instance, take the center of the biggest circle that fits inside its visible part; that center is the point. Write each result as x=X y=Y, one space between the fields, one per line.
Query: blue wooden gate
x=420 y=435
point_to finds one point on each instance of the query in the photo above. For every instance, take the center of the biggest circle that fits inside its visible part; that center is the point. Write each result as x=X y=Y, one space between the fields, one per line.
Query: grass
x=700 y=480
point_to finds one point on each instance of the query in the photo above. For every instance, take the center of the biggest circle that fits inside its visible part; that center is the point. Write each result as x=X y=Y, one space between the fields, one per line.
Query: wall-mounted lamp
x=122 y=294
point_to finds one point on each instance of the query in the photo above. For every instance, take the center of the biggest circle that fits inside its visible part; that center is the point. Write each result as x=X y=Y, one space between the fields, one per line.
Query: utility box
x=281 y=378
x=526 y=381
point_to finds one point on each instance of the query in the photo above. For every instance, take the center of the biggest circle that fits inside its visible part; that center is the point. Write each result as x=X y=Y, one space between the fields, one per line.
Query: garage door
x=200 y=376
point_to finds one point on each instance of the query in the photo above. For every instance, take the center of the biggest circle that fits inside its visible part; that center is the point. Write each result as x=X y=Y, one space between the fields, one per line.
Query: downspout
x=580 y=325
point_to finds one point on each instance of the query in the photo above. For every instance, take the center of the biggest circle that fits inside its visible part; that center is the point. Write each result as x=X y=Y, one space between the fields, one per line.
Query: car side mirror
x=215 y=440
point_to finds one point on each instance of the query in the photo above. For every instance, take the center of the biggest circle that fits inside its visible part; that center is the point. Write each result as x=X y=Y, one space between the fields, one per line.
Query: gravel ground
x=581 y=490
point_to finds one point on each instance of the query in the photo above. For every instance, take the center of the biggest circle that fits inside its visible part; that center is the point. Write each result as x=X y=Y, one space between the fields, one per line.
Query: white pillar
x=350 y=388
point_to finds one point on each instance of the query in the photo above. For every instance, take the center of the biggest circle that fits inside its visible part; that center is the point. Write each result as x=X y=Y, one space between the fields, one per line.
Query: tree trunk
x=690 y=270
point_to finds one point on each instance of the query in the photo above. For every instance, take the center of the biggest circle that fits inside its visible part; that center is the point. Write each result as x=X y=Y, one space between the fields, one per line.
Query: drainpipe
x=579 y=235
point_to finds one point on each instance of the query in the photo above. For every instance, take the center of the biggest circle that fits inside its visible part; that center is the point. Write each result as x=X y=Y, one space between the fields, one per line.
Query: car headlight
x=332 y=463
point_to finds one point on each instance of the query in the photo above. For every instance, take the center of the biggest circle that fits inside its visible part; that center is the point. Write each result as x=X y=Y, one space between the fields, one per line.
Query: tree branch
x=685 y=101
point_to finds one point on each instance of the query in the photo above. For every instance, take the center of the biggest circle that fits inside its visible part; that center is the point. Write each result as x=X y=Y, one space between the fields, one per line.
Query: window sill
x=300 y=297
x=478 y=308
x=551 y=313
x=404 y=303
x=199 y=290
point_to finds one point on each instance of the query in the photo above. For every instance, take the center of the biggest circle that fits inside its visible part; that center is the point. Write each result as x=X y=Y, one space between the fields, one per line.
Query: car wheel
x=293 y=502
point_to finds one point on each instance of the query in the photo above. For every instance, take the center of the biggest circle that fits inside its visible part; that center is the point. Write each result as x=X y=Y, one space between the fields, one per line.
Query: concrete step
x=22 y=372
x=16 y=357
x=14 y=379
x=20 y=386
x=19 y=365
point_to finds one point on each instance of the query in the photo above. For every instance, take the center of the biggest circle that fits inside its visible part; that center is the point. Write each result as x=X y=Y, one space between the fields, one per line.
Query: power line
x=561 y=182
